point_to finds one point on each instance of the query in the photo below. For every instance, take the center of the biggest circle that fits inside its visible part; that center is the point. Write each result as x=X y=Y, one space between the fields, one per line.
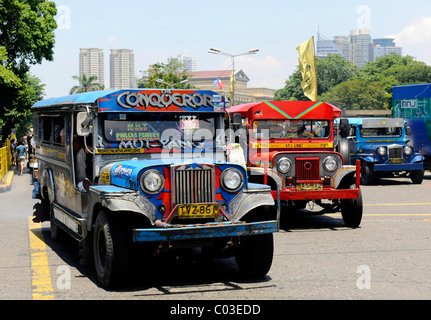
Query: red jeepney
x=295 y=147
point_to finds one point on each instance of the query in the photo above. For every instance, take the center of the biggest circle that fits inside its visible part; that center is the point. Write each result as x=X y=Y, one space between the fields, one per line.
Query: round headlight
x=284 y=165
x=232 y=179
x=381 y=151
x=408 y=150
x=152 y=181
x=330 y=164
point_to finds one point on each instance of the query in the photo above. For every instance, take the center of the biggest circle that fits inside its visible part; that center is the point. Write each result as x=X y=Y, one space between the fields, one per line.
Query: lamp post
x=171 y=84
x=232 y=56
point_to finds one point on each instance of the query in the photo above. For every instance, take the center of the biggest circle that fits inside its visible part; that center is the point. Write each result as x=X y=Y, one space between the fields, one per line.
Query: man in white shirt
x=81 y=165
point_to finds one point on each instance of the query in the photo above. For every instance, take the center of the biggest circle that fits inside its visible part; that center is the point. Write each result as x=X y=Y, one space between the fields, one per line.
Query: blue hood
x=126 y=173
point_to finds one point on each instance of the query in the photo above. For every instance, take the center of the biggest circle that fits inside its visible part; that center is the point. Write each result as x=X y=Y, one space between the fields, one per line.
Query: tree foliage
x=86 y=84
x=330 y=72
x=348 y=87
x=26 y=38
x=357 y=95
x=173 y=73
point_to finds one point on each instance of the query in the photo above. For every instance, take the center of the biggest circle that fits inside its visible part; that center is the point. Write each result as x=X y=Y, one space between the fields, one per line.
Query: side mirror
x=408 y=130
x=345 y=127
x=236 y=119
x=83 y=127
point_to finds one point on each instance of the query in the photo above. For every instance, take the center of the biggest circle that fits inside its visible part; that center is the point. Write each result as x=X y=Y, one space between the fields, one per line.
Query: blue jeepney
x=157 y=179
x=383 y=148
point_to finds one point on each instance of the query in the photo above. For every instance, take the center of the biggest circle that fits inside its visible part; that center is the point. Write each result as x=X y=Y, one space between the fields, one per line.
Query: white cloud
x=415 y=40
x=265 y=72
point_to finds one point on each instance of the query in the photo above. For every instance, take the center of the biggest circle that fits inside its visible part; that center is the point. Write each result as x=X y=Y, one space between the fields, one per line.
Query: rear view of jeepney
x=291 y=146
x=382 y=147
x=160 y=183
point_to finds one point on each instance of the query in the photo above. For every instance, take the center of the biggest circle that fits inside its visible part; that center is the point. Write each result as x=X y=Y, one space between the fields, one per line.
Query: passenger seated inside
x=84 y=164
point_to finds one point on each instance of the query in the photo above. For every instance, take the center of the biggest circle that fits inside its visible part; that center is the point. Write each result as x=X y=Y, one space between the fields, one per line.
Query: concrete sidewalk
x=7 y=184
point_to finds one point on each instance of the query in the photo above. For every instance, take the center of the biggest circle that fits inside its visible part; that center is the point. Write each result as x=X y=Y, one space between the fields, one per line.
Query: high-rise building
x=359 y=47
x=188 y=62
x=91 y=63
x=382 y=47
x=122 y=69
x=324 y=47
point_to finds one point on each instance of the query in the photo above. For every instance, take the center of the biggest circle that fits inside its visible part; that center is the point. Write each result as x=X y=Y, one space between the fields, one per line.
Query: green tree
x=26 y=38
x=173 y=73
x=86 y=84
x=357 y=95
x=332 y=70
x=7 y=77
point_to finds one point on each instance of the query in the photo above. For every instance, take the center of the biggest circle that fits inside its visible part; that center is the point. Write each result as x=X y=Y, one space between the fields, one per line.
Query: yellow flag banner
x=307 y=66
x=232 y=83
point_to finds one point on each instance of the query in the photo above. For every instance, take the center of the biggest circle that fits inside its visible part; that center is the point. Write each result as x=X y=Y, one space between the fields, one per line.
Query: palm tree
x=86 y=84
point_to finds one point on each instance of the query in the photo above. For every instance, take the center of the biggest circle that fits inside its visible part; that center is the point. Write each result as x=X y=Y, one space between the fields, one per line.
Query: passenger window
x=46 y=129
x=58 y=126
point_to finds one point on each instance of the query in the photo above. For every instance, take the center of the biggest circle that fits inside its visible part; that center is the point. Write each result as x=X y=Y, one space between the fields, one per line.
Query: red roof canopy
x=287 y=110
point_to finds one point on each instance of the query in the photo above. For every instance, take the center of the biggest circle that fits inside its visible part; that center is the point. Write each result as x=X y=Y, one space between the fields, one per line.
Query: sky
x=159 y=29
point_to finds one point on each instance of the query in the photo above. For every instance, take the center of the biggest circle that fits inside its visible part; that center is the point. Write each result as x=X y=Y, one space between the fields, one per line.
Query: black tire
x=344 y=150
x=57 y=234
x=110 y=250
x=254 y=255
x=367 y=173
x=417 y=176
x=351 y=210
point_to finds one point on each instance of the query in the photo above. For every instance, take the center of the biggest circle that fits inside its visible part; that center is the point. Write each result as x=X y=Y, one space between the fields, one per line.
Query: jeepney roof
x=377 y=122
x=131 y=100
x=288 y=110
x=75 y=99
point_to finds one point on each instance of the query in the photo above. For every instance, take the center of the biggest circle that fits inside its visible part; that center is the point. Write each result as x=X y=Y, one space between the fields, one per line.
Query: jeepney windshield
x=291 y=129
x=381 y=132
x=157 y=131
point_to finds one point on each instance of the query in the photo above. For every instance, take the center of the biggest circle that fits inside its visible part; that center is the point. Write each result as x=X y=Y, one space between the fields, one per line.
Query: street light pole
x=232 y=56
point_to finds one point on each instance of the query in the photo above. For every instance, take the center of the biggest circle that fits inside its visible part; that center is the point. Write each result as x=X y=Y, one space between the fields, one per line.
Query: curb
x=8 y=182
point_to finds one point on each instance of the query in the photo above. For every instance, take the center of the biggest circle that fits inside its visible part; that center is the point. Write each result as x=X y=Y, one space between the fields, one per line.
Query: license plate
x=396 y=160
x=309 y=186
x=198 y=210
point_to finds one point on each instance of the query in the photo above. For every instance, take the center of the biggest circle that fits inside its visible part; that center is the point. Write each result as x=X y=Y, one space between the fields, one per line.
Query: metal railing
x=5 y=160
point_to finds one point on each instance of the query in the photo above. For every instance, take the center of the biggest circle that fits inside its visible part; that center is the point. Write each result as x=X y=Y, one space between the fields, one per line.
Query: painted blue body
x=123 y=176
x=413 y=102
x=366 y=150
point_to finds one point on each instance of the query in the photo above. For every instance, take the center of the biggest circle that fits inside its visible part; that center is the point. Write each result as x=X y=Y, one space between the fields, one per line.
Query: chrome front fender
x=255 y=195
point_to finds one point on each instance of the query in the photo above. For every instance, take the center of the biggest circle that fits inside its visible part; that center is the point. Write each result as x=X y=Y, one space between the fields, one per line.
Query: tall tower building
x=91 y=63
x=122 y=69
x=188 y=62
x=382 y=47
x=359 y=42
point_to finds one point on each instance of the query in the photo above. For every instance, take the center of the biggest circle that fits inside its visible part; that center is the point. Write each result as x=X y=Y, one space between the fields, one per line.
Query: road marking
x=396 y=204
x=385 y=214
x=40 y=274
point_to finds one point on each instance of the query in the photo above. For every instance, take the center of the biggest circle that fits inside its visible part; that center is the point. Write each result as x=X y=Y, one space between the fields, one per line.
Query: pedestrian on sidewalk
x=12 y=150
x=21 y=156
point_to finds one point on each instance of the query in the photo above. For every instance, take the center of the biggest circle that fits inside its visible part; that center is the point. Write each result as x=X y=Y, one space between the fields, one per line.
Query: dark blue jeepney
x=157 y=178
x=383 y=148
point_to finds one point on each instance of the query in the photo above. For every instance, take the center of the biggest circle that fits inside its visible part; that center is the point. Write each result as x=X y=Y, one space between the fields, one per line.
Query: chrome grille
x=307 y=169
x=193 y=185
x=395 y=152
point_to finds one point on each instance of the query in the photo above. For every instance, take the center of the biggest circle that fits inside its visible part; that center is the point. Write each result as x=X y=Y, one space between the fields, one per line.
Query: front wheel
x=254 y=255
x=110 y=250
x=417 y=176
x=351 y=210
x=367 y=174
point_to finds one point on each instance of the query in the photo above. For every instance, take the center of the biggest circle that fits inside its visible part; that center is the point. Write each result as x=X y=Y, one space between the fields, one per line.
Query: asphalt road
x=316 y=257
